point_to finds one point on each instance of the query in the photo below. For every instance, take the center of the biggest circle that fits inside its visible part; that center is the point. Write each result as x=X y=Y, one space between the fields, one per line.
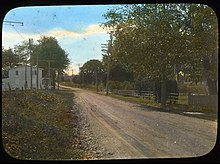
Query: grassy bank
x=182 y=106
x=208 y=113
x=39 y=125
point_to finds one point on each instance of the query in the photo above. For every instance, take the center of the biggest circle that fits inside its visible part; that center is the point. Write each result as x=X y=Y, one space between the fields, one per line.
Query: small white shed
x=18 y=76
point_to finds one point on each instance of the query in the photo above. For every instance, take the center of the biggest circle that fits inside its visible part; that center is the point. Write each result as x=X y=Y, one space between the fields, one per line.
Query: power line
x=13 y=24
x=17 y=31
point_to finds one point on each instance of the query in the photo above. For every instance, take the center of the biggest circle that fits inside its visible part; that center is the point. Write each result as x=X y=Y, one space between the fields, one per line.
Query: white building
x=20 y=74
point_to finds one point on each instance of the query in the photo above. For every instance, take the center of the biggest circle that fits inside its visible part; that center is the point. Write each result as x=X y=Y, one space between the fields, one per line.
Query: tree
x=204 y=41
x=48 y=53
x=156 y=40
x=149 y=32
x=9 y=60
x=24 y=51
x=92 y=72
x=117 y=71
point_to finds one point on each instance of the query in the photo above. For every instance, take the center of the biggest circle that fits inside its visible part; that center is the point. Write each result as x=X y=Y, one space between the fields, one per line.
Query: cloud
x=59 y=33
x=81 y=46
x=12 y=38
x=90 y=30
x=95 y=28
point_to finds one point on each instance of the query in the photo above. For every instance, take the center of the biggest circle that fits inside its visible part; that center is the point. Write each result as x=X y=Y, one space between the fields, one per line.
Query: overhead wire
x=18 y=32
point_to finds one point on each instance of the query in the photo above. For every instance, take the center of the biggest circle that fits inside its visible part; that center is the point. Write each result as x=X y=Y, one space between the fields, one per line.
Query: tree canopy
x=91 y=71
x=163 y=39
x=47 y=50
x=41 y=52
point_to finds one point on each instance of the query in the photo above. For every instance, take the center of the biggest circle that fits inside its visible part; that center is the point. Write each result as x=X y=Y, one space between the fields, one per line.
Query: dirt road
x=126 y=130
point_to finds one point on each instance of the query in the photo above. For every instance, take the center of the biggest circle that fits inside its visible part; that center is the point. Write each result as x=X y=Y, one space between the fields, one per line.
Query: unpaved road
x=127 y=130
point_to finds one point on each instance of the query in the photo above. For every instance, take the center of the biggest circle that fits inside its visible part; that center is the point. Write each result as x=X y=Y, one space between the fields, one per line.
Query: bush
x=192 y=88
x=115 y=85
x=127 y=85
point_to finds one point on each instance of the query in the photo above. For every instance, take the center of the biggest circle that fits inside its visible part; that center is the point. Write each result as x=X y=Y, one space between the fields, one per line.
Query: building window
x=16 y=72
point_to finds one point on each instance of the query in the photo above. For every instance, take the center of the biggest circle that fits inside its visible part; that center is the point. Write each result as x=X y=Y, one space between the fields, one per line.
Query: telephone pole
x=29 y=42
x=107 y=49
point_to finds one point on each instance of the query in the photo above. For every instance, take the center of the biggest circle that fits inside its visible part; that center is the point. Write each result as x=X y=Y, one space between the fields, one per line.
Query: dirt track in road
x=126 y=130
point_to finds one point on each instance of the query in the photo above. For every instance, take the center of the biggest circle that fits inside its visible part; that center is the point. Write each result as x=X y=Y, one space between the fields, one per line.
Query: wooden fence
x=203 y=100
x=181 y=98
x=134 y=93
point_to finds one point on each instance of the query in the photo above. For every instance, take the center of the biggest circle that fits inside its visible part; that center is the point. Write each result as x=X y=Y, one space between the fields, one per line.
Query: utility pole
x=49 y=72
x=96 y=79
x=29 y=41
x=108 y=51
x=37 y=72
x=25 y=75
x=107 y=84
x=105 y=50
x=79 y=72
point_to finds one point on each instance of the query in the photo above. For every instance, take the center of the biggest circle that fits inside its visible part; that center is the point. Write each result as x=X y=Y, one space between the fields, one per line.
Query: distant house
x=18 y=76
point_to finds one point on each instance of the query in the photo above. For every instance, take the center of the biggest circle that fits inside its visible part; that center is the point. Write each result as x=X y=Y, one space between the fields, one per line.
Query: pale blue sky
x=75 y=27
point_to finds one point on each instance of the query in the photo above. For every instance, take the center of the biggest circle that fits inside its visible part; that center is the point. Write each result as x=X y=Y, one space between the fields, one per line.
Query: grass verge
x=180 y=108
x=39 y=125
x=208 y=113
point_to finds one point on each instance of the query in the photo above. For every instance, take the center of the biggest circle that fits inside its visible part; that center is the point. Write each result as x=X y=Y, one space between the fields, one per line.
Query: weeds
x=39 y=125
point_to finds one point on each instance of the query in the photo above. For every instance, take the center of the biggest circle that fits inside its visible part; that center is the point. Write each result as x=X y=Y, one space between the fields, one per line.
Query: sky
x=77 y=29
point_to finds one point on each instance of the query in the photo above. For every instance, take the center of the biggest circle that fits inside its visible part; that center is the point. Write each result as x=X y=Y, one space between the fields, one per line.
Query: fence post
x=189 y=98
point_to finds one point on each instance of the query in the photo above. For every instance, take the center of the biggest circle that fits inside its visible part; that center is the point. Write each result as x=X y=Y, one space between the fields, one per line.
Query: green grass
x=180 y=107
x=210 y=113
x=138 y=100
x=39 y=125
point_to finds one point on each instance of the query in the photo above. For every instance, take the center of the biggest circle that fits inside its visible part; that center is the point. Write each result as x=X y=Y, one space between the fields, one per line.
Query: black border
x=7 y=5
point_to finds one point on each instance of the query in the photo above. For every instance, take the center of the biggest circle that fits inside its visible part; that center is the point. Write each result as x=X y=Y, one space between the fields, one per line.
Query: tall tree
x=24 y=50
x=157 y=39
x=92 y=72
x=9 y=60
x=48 y=53
x=204 y=41
x=148 y=39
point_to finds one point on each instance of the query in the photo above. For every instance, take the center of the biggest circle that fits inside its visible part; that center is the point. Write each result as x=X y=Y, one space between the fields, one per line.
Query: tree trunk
x=211 y=83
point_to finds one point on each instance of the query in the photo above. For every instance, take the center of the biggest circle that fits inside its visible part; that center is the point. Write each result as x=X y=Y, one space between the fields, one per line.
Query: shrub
x=193 y=88
x=115 y=85
x=127 y=85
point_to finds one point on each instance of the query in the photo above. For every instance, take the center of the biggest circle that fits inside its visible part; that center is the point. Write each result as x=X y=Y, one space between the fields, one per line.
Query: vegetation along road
x=127 y=130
